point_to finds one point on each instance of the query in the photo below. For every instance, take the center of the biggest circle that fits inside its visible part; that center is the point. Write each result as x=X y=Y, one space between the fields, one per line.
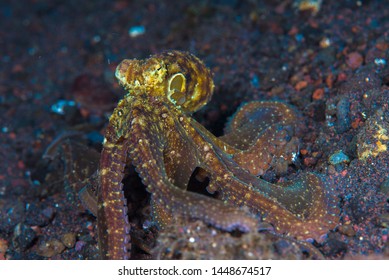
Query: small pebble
x=325 y=42
x=318 y=94
x=341 y=77
x=80 y=245
x=354 y=60
x=347 y=230
x=303 y=152
x=69 y=239
x=310 y=161
x=136 y=31
x=308 y=5
x=50 y=248
x=23 y=237
x=89 y=226
x=301 y=85
x=338 y=157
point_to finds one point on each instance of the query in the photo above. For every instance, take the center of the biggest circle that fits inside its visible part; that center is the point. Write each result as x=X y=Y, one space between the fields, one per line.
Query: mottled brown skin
x=152 y=127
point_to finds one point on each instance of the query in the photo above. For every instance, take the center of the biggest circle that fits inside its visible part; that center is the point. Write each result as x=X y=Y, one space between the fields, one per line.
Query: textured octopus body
x=153 y=128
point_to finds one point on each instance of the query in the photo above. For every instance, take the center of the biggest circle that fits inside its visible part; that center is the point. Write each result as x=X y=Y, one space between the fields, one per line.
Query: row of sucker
x=113 y=226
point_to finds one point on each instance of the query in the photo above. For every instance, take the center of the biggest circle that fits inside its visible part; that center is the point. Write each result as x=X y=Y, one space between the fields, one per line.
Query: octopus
x=152 y=128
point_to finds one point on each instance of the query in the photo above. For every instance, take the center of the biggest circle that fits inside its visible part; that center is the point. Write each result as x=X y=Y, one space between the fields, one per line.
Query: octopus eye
x=176 y=89
x=119 y=112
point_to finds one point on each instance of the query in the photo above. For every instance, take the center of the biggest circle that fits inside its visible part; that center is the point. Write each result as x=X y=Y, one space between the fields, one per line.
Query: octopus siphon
x=152 y=129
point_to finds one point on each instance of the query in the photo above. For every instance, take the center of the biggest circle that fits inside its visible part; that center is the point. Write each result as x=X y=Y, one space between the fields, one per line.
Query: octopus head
x=177 y=76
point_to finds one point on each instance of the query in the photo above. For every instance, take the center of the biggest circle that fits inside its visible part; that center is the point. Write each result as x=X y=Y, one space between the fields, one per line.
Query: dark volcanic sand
x=57 y=88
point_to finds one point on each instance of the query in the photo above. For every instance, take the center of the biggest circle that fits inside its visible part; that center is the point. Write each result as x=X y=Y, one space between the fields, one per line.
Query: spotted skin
x=153 y=129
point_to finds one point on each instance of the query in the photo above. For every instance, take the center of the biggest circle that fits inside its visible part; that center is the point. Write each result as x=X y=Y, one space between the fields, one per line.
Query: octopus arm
x=168 y=199
x=113 y=227
x=305 y=208
x=180 y=161
x=263 y=133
